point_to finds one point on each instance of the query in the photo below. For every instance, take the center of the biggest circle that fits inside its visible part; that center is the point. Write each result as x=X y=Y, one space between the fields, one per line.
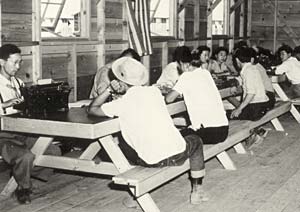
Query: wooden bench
x=142 y=180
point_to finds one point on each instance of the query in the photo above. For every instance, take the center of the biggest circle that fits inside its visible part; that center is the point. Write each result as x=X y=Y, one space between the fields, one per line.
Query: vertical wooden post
x=209 y=24
x=101 y=33
x=275 y=25
x=85 y=17
x=242 y=19
x=146 y=62
x=231 y=26
x=249 y=19
x=173 y=26
x=124 y=26
x=72 y=73
x=181 y=24
x=1 y=23
x=164 y=55
x=196 y=18
x=36 y=36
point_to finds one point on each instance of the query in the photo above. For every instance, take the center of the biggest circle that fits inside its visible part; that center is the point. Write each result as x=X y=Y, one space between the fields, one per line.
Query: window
x=218 y=19
x=64 y=18
x=162 y=14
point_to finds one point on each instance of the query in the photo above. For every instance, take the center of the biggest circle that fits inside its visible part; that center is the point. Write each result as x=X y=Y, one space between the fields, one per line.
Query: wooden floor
x=267 y=180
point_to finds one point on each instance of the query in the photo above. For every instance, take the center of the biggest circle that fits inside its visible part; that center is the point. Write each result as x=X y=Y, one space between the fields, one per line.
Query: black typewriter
x=226 y=81
x=43 y=99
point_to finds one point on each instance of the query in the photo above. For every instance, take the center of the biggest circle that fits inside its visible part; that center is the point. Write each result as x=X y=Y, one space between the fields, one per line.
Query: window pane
x=159 y=17
x=218 y=19
x=61 y=20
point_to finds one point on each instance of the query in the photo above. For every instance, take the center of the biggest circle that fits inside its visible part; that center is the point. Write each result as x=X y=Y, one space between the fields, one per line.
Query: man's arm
x=246 y=101
x=171 y=96
x=95 y=106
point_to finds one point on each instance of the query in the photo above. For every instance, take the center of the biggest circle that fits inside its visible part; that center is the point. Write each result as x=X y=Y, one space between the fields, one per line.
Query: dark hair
x=182 y=54
x=285 y=48
x=196 y=55
x=297 y=50
x=240 y=44
x=245 y=54
x=218 y=50
x=7 y=49
x=131 y=52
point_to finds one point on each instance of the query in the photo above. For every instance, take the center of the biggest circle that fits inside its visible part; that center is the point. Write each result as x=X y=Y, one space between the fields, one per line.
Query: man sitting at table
x=204 y=104
x=146 y=125
x=291 y=67
x=255 y=101
x=15 y=148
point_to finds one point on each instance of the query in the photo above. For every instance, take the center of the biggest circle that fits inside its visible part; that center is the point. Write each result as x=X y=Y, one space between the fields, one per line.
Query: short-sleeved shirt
x=291 y=67
x=169 y=75
x=253 y=83
x=9 y=89
x=202 y=98
x=265 y=78
x=146 y=124
x=101 y=81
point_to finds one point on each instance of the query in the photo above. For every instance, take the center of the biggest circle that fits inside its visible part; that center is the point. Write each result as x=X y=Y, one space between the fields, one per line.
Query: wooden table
x=77 y=124
x=276 y=79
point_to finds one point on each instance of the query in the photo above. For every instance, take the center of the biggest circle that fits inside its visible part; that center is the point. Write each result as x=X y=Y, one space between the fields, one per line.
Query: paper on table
x=81 y=103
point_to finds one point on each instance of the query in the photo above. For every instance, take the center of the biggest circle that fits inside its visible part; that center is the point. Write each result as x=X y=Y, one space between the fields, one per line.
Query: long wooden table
x=75 y=123
x=276 y=80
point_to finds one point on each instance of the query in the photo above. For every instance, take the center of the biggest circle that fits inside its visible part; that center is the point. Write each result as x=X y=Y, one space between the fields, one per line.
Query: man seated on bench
x=204 y=103
x=147 y=126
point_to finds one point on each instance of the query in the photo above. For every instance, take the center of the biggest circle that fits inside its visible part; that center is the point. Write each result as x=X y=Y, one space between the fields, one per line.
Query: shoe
x=262 y=132
x=253 y=139
x=198 y=196
x=129 y=202
x=23 y=196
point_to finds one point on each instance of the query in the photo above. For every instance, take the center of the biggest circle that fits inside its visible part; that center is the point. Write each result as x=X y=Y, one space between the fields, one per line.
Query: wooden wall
x=76 y=61
x=262 y=24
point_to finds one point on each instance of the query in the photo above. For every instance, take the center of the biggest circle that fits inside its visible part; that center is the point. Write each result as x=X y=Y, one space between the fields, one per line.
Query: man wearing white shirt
x=291 y=67
x=15 y=148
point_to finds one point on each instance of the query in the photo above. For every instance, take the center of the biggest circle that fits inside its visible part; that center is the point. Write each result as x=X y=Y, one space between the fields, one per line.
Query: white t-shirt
x=291 y=67
x=169 y=75
x=253 y=83
x=146 y=124
x=265 y=78
x=9 y=89
x=202 y=98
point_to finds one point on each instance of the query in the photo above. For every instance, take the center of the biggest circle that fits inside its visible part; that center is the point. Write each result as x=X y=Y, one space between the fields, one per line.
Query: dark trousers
x=193 y=152
x=255 y=111
x=15 y=150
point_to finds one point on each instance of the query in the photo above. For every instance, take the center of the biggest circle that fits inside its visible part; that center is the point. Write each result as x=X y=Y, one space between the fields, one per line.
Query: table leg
x=121 y=163
x=284 y=97
x=38 y=149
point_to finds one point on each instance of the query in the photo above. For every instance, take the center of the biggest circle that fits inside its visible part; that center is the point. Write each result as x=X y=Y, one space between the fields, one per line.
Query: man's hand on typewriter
x=12 y=102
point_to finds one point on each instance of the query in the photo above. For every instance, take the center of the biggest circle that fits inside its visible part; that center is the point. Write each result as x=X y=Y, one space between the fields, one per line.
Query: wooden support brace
x=277 y=125
x=226 y=161
x=240 y=149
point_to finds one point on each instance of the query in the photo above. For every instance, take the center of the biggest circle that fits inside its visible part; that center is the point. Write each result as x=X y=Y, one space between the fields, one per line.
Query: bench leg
x=240 y=149
x=295 y=113
x=226 y=161
x=91 y=151
x=277 y=125
x=38 y=149
x=147 y=203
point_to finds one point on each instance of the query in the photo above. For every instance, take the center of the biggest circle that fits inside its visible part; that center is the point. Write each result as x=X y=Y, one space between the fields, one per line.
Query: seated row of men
x=120 y=91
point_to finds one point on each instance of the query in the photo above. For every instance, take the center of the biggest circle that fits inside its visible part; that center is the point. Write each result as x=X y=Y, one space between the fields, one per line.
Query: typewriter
x=226 y=81
x=43 y=99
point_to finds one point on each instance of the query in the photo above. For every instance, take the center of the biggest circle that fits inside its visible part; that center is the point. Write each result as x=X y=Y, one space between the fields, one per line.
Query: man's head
x=10 y=60
x=243 y=55
x=130 y=53
x=221 y=54
x=182 y=55
x=285 y=52
x=297 y=52
x=130 y=71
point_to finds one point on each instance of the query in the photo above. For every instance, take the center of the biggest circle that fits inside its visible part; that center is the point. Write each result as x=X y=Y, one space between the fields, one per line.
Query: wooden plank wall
x=76 y=61
x=262 y=23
